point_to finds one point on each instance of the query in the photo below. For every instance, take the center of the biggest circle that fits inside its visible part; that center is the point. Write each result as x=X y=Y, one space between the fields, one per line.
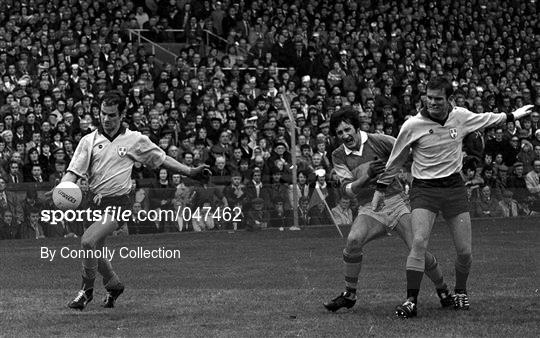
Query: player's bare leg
x=90 y=241
x=432 y=268
x=460 y=226
x=422 y=223
x=364 y=230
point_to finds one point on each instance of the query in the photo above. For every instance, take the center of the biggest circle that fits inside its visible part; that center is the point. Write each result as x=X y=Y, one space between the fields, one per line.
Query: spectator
x=487 y=205
x=526 y=155
x=9 y=228
x=161 y=198
x=256 y=217
x=318 y=215
x=9 y=201
x=328 y=192
x=342 y=212
x=509 y=205
x=302 y=187
x=256 y=189
x=498 y=145
x=207 y=193
x=220 y=171
x=279 y=217
x=235 y=191
x=532 y=181
x=303 y=213
x=277 y=189
x=182 y=199
x=15 y=176
x=32 y=228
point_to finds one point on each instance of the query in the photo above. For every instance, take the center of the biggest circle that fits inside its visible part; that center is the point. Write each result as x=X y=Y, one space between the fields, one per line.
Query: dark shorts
x=123 y=201
x=447 y=194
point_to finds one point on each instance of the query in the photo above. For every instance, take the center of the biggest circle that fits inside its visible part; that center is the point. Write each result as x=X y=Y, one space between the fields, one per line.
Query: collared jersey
x=436 y=148
x=351 y=165
x=108 y=163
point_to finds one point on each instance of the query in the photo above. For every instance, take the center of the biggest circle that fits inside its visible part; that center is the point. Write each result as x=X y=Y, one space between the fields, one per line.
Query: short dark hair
x=113 y=98
x=441 y=83
x=346 y=114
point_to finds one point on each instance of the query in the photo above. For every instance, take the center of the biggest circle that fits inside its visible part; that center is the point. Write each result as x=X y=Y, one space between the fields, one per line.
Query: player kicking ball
x=435 y=138
x=107 y=156
x=358 y=161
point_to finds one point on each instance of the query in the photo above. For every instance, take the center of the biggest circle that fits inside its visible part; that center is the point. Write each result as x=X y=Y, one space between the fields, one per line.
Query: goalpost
x=294 y=167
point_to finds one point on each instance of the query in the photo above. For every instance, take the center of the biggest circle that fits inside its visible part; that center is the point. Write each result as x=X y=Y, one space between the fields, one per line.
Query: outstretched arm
x=172 y=164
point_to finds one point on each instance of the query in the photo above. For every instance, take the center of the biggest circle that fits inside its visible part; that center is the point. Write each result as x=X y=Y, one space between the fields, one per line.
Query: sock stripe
x=352 y=259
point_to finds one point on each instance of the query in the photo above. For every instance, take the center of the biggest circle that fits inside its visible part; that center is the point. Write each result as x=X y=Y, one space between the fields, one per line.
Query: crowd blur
x=222 y=103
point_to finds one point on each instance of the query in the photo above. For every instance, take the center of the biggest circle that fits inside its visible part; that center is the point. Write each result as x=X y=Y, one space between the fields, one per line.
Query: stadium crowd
x=222 y=104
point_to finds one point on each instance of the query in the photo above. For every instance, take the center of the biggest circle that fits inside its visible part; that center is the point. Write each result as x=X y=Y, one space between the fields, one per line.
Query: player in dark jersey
x=358 y=162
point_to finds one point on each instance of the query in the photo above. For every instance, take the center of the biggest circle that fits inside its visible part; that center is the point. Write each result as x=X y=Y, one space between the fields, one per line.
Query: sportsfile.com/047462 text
x=119 y=214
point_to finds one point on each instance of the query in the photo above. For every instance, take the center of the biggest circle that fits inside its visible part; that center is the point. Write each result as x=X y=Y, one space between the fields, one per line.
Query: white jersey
x=436 y=148
x=108 y=162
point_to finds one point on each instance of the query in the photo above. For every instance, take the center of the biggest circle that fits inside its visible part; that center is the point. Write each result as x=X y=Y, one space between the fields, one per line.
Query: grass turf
x=273 y=283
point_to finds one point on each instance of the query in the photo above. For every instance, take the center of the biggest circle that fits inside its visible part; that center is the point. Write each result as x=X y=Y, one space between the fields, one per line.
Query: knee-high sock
x=89 y=266
x=463 y=266
x=433 y=271
x=110 y=279
x=352 y=267
x=415 y=272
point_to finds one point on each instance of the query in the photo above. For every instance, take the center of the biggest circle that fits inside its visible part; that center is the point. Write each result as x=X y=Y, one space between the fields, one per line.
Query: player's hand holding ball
x=67 y=196
x=523 y=111
x=376 y=167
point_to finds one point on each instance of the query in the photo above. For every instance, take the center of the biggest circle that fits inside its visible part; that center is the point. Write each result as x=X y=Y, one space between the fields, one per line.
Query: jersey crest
x=453 y=133
x=122 y=151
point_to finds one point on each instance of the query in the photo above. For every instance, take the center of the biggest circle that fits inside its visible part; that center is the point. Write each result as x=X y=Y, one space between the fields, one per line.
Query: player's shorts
x=121 y=203
x=447 y=194
x=394 y=207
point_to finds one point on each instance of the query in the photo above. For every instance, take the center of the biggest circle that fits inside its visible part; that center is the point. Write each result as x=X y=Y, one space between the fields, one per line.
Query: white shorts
x=394 y=207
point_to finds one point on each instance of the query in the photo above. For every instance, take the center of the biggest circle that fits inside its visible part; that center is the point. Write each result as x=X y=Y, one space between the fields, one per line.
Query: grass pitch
x=273 y=283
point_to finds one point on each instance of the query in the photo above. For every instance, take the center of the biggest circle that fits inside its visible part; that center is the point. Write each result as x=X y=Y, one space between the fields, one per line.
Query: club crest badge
x=122 y=151
x=453 y=133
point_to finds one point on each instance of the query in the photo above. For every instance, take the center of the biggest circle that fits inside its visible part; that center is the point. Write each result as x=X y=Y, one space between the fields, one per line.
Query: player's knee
x=354 y=243
x=419 y=244
x=464 y=251
x=88 y=243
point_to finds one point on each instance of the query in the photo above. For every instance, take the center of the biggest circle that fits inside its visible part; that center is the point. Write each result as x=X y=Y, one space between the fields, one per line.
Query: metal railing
x=153 y=44
x=157 y=46
x=139 y=32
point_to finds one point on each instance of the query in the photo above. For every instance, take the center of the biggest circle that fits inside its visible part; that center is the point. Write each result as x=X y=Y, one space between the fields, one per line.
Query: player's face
x=110 y=118
x=347 y=134
x=437 y=103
